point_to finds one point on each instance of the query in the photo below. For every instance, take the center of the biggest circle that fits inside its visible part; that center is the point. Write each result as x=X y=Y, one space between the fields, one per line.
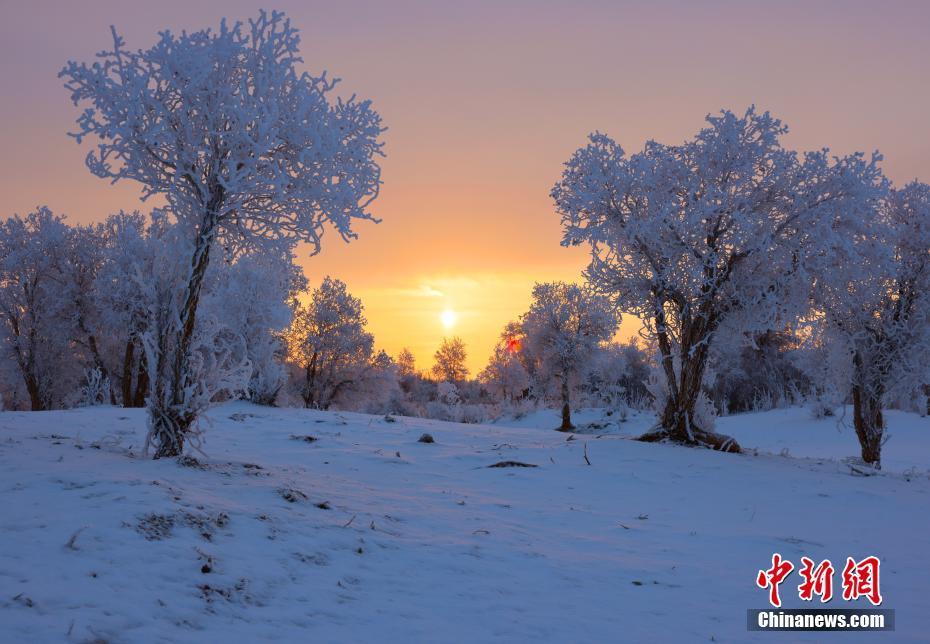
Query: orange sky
x=484 y=101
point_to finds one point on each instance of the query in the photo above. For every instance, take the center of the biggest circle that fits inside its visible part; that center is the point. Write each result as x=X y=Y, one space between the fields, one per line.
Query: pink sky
x=484 y=101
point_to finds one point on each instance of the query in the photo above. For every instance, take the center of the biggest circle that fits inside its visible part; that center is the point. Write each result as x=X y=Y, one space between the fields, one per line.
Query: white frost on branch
x=223 y=125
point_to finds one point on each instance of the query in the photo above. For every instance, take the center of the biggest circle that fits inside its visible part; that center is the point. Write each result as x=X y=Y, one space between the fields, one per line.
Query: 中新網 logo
x=859 y=579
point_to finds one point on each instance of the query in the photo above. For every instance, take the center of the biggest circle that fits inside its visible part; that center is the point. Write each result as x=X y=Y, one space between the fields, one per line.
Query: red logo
x=817 y=581
x=772 y=577
x=860 y=579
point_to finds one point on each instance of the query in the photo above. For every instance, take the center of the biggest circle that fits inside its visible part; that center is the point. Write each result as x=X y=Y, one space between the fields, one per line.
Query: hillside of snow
x=324 y=526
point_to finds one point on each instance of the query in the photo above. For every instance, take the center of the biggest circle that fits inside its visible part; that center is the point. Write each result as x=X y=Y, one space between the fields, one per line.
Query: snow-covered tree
x=255 y=296
x=123 y=292
x=376 y=390
x=450 y=358
x=715 y=231
x=615 y=375
x=873 y=293
x=242 y=146
x=770 y=371
x=406 y=363
x=36 y=304
x=217 y=367
x=329 y=343
x=85 y=258
x=563 y=327
x=250 y=296
x=506 y=376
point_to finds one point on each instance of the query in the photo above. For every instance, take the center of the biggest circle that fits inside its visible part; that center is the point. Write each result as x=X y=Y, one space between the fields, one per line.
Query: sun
x=448 y=318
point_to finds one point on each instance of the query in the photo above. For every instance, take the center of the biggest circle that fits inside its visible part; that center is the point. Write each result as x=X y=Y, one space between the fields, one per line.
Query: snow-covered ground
x=366 y=534
x=791 y=431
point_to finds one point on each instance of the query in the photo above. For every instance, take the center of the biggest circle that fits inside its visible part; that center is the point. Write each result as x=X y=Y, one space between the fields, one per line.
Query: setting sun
x=448 y=318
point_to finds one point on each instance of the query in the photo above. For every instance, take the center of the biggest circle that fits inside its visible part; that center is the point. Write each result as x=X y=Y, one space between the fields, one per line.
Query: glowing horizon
x=484 y=101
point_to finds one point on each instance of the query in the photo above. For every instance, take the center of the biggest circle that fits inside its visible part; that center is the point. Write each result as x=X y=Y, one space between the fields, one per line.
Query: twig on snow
x=70 y=545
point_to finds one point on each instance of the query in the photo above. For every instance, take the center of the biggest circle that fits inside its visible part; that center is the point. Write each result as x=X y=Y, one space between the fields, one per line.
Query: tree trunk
x=566 y=407
x=98 y=363
x=176 y=421
x=868 y=391
x=171 y=423
x=310 y=385
x=869 y=424
x=142 y=381
x=676 y=422
x=35 y=397
x=94 y=349
x=678 y=415
x=126 y=381
x=27 y=366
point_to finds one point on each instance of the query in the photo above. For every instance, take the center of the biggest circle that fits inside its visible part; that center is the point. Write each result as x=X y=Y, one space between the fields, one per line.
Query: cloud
x=424 y=290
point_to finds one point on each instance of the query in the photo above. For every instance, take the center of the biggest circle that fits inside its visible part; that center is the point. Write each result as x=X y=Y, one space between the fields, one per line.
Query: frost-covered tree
x=54 y=267
x=406 y=363
x=450 y=358
x=873 y=293
x=255 y=296
x=506 y=376
x=217 y=367
x=769 y=372
x=242 y=146
x=615 y=375
x=123 y=292
x=563 y=327
x=376 y=390
x=250 y=297
x=329 y=343
x=36 y=304
x=86 y=257
x=715 y=231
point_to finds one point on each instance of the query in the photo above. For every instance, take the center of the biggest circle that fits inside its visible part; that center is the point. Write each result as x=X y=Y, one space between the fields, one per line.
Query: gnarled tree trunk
x=677 y=422
x=870 y=426
x=867 y=416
